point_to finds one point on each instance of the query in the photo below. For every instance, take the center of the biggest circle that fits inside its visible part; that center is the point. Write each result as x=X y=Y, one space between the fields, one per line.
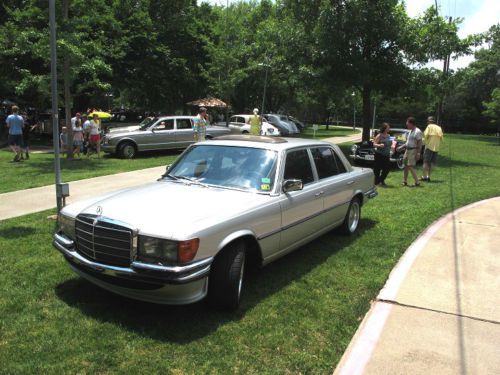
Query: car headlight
x=158 y=250
x=354 y=148
x=270 y=130
x=66 y=225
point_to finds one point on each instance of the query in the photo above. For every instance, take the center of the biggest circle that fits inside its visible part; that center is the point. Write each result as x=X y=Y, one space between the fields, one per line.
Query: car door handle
x=318 y=194
x=350 y=183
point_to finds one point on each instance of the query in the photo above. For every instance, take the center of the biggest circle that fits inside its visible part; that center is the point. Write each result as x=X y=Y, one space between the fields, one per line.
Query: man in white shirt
x=412 y=154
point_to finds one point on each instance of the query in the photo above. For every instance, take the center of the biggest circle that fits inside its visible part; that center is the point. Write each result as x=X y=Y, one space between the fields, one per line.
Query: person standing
x=77 y=138
x=95 y=136
x=86 y=132
x=433 y=136
x=200 y=125
x=255 y=123
x=382 y=144
x=15 y=123
x=413 y=146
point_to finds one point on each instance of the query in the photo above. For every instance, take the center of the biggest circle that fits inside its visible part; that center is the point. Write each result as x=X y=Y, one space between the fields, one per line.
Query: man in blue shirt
x=15 y=123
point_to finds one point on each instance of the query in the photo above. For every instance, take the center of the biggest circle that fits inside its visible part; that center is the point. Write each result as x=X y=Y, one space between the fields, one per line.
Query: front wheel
x=351 y=220
x=127 y=150
x=400 y=162
x=226 y=277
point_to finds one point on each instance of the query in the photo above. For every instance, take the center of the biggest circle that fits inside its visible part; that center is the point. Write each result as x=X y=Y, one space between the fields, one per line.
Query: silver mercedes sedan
x=160 y=133
x=222 y=206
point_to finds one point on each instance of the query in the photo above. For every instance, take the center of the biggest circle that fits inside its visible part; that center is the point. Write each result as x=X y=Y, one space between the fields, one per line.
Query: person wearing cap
x=200 y=125
x=433 y=136
x=255 y=123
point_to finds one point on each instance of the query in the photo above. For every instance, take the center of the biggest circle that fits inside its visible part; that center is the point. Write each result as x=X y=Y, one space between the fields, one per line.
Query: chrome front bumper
x=357 y=157
x=147 y=282
x=372 y=193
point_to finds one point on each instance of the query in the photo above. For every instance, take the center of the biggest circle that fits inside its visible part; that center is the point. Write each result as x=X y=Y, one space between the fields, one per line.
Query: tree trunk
x=67 y=93
x=367 y=112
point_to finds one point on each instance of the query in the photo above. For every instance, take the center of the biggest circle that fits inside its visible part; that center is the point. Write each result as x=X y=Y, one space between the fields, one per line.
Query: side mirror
x=292 y=185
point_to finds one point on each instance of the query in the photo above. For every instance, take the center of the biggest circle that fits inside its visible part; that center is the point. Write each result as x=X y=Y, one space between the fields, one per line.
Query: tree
x=362 y=43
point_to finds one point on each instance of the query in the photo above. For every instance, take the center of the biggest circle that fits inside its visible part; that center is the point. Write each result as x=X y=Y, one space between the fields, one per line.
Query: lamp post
x=109 y=96
x=354 y=109
x=267 y=66
x=55 y=109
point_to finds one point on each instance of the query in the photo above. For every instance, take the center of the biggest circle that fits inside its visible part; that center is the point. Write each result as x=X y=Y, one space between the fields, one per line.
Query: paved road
x=28 y=201
x=439 y=312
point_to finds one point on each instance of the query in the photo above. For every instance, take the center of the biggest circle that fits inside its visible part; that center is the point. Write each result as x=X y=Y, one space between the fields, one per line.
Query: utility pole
x=446 y=69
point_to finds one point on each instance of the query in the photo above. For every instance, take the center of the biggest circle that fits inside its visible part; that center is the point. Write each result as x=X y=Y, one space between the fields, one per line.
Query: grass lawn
x=332 y=131
x=39 y=169
x=297 y=315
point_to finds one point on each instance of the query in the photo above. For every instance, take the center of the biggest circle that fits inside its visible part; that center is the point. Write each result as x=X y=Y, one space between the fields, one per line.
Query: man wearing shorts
x=412 y=154
x=433 y=136
x=15 y=123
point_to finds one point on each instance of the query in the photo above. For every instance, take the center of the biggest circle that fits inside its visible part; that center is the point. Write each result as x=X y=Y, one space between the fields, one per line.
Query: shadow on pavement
x=186 y=323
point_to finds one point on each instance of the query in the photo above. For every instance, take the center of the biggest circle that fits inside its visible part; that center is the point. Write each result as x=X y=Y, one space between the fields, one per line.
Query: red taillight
x=187 y=250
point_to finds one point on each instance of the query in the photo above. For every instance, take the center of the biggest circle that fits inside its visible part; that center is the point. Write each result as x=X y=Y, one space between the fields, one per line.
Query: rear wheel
x=127 y=150
x=226 y=277
x=351 y=220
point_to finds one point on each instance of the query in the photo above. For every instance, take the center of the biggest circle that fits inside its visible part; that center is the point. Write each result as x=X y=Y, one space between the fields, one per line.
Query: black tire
x=352 y=218
x=226 y=277
x=399 y=161
x=245 y=132
x=127 y=150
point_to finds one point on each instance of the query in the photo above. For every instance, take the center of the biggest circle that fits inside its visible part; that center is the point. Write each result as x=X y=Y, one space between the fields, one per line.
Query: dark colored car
x=364 y=151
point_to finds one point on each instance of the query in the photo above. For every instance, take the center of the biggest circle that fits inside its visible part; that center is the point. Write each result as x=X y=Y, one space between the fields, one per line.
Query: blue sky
x=479 y=16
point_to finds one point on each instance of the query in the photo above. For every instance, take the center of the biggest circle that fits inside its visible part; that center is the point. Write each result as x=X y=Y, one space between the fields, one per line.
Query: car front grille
x=101 y=240
x=366 y=152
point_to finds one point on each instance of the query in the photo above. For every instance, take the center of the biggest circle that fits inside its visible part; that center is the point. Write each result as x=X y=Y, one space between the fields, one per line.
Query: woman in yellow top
x=255 y=123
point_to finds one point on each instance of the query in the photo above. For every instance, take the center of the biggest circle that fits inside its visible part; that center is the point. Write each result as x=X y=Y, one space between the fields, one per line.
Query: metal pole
x=374 y=113
x=55 y=110
x=264 y=94
x=354 y=124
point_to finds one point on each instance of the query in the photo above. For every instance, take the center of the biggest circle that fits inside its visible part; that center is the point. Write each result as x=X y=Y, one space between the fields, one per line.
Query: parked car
x=286 y=127
x=224 y=205
x=364 y=151
x=160 y=133
x=239 y=124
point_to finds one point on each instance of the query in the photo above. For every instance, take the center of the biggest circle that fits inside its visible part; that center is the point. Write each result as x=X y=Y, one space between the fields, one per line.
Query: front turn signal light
x=187 y=250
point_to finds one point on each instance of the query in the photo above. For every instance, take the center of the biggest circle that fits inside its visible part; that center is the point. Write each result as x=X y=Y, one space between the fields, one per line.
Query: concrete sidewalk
x=439 y=312
x=23 y=202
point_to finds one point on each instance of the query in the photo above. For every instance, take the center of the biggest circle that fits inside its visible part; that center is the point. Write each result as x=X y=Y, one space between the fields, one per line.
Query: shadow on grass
x=16 y=232
x=183 y=324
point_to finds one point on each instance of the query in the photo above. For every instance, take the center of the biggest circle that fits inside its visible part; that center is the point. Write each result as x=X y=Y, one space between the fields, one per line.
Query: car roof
x=174 y=117
x=274 y=143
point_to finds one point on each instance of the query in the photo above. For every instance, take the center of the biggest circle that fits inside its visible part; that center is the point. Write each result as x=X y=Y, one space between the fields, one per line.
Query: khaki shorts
x=410 y=158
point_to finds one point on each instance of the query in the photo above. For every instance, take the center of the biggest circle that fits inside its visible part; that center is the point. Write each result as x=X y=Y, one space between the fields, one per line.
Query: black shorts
x=430 y=156
x=16 y=140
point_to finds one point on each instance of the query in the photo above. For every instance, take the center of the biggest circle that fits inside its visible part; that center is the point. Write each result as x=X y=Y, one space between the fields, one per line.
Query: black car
x=364 y=151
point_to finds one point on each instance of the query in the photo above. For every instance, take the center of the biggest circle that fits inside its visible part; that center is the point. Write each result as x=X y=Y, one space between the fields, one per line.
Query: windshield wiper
x=191 y=180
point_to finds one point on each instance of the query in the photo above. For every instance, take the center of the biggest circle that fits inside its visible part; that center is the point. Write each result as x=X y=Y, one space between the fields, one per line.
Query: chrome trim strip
x=301 y=221
x=64 y=240
x=174 y=269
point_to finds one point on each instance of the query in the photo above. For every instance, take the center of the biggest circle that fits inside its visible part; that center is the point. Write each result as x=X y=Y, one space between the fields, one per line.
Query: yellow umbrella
x=101 y=115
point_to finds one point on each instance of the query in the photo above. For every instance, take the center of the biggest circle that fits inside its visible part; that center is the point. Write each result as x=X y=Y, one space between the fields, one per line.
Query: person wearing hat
x=200 y=125
x=255 y=123
x=433 y=136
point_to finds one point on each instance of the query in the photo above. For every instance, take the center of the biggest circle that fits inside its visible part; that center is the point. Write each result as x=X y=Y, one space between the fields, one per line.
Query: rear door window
x=184 y=123
x=327 y=162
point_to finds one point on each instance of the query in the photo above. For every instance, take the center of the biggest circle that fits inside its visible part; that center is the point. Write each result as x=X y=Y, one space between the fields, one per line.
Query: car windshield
x=147 y=122
x=398 y=135
x=242 y=168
